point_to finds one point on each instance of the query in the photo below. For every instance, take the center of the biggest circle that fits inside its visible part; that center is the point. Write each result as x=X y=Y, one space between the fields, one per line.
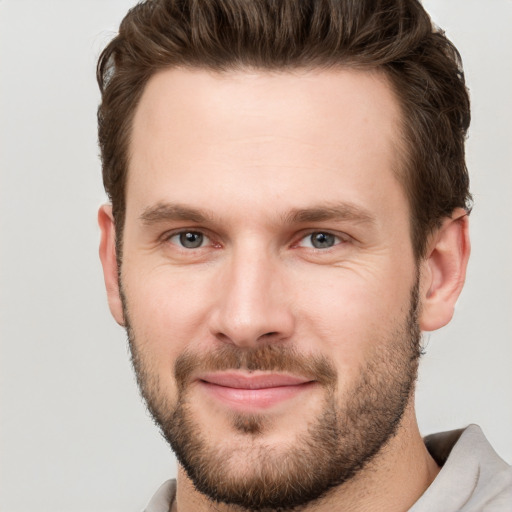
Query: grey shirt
x=473 y=477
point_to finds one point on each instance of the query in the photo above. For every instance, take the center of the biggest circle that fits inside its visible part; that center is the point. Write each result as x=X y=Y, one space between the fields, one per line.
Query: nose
x=253 y=306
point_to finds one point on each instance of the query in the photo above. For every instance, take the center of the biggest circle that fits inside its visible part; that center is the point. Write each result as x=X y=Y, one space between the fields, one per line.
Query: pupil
x=322 y=240
x=191 y=240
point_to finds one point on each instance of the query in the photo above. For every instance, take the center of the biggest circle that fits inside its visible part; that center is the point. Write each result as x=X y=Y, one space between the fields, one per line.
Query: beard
x=338 y=443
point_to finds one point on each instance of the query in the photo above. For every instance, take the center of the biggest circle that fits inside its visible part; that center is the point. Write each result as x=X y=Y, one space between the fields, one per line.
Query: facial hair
x=334 y=447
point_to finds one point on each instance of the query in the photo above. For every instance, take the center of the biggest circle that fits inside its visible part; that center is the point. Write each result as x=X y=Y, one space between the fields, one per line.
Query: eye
x=320 y=240
x=189 y=239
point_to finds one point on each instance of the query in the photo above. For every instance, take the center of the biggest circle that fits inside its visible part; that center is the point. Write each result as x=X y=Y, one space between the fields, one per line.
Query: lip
x=247 y=392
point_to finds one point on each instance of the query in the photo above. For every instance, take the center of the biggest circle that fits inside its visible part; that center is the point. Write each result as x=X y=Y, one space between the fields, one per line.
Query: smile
x=249 y=392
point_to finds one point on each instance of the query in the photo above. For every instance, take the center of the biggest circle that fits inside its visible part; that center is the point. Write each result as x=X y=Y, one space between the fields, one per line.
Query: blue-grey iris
x=322 y=240
x=191 y=239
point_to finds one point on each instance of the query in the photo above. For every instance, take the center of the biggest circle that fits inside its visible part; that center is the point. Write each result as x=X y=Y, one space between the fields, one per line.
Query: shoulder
x=473 y=477
x=163 y=498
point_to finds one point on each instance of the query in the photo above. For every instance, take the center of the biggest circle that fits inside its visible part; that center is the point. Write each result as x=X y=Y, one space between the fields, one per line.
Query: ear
x=109 y=261
x=443 y=272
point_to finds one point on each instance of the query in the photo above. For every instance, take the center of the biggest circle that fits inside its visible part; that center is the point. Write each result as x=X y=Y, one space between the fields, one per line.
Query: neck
x=392 y=482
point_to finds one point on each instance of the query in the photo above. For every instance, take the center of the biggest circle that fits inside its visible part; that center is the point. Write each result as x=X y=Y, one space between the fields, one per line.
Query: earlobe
x=109 y=262
x=443 y=271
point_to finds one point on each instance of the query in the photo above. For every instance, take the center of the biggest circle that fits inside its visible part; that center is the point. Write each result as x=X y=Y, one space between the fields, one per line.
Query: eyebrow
x=339 y=212
x=163 y=212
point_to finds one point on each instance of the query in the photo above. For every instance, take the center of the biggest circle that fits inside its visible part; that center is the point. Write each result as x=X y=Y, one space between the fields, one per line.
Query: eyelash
x=185 y=232
x=337 y=238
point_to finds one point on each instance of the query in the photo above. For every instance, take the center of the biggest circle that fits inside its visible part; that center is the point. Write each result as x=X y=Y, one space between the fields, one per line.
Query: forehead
x=263 y=135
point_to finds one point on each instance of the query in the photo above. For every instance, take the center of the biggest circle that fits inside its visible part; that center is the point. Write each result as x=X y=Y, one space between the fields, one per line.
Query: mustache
x=275 y=358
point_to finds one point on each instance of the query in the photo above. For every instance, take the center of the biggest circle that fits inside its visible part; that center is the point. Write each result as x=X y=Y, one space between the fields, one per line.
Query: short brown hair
x=395 y=36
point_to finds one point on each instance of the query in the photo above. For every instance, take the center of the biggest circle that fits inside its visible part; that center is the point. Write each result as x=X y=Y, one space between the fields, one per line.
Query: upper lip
x=252 y=381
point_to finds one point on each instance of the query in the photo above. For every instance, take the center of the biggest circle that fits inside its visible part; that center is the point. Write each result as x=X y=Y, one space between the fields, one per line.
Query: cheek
x=167 y=312
x=351 y=313
x=350 y=298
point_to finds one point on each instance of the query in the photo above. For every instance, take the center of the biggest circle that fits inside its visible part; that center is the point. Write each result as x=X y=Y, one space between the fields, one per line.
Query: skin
x=247 y=150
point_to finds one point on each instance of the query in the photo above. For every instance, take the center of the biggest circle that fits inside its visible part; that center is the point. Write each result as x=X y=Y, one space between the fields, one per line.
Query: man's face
x=269 y=283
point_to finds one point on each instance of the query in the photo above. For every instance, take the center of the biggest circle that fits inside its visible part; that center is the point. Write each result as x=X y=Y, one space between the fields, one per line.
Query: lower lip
x=247 y=399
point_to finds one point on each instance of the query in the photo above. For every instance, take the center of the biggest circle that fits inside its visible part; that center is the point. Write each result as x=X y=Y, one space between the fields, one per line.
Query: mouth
x=249 y=392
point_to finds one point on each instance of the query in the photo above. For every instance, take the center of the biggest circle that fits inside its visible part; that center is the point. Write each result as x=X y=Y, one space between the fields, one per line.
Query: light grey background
x=74 y=434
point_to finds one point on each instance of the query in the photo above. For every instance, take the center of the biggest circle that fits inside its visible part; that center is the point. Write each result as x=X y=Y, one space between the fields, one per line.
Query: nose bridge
x=252 y=303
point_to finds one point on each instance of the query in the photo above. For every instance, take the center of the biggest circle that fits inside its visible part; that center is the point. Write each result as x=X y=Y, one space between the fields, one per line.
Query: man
x=289 y=210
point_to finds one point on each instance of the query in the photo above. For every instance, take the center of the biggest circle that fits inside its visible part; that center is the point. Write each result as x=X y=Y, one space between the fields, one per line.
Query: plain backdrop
x=74 y=434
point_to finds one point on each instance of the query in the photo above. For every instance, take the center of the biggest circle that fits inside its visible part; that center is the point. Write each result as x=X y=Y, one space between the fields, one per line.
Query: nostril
x=269 y=334
x=222 y=337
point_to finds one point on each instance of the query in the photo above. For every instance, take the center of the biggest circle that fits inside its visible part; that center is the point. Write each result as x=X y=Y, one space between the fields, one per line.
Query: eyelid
x=342 y=238
x=168 y=235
